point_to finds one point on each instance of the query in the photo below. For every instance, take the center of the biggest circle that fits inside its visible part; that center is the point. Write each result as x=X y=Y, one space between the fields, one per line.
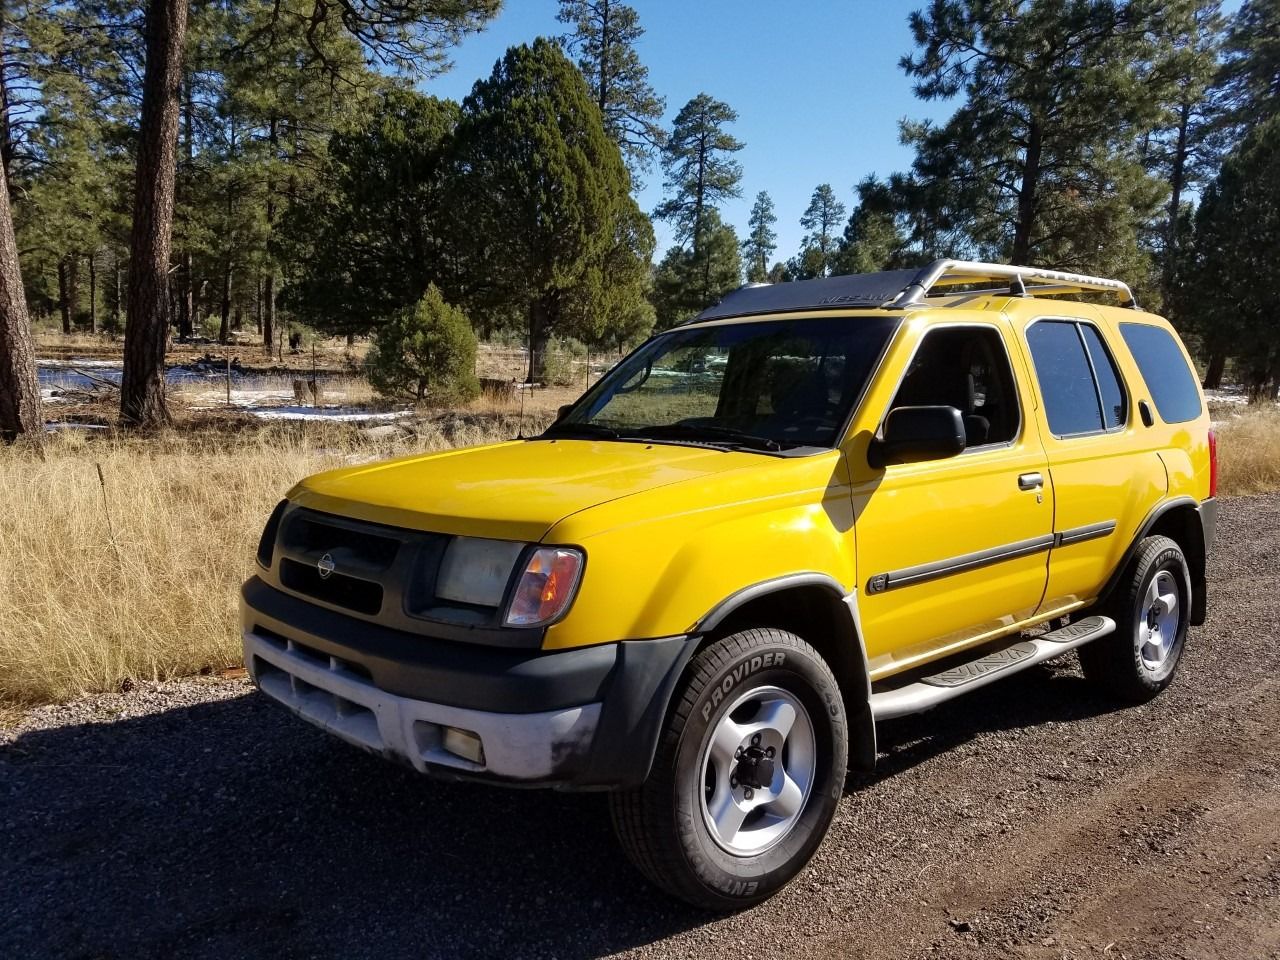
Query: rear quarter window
x=1164 y=369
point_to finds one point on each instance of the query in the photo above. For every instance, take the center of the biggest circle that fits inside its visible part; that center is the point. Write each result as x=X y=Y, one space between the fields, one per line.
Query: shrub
x=557 y=366
x=426 y=353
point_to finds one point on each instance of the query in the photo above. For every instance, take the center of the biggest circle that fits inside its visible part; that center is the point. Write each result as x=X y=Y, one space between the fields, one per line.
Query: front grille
x=377 y=571
x=310 y=533
x=362 y=596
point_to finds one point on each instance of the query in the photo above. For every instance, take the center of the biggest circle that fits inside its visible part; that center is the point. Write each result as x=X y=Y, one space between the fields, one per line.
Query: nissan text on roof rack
x=816 y=506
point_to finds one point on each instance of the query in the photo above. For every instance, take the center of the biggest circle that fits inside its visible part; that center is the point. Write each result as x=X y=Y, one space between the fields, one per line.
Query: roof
x=900 y=289
x=855 y=290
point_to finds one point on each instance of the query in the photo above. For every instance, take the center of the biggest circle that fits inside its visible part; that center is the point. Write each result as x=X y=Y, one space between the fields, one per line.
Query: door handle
x=1030 y=481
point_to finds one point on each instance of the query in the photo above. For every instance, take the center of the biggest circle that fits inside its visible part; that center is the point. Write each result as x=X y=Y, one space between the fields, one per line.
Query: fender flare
x=855 y=682
x=1195 y=563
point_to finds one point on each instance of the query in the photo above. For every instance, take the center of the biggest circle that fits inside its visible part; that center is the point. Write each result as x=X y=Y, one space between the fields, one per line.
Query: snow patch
x=337 y=414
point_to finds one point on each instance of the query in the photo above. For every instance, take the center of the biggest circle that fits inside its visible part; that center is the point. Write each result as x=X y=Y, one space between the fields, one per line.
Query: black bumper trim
x=634 y=680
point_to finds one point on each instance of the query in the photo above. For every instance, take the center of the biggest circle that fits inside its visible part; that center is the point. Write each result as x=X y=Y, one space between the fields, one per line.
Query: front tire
x=1152 y=610
x=747 y=775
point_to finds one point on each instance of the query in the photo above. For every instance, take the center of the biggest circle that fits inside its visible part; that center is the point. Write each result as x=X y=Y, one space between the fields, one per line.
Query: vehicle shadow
x=230 y=829
x=1047 y=693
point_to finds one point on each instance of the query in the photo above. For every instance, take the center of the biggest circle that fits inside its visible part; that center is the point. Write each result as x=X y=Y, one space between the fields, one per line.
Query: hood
x=516 y=490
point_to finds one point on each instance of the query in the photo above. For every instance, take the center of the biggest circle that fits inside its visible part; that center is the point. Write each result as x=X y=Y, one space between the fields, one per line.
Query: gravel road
x=1033 y=820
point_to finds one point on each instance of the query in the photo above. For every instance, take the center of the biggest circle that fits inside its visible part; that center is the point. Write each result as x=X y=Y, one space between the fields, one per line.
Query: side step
x=929 y=691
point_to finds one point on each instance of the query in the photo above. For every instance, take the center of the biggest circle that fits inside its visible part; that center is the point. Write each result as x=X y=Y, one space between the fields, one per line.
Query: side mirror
x=913 y=434
x=562 y=412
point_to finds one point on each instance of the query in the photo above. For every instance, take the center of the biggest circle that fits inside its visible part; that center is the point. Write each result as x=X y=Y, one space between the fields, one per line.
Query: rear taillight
x=267 y=545
x=1213 y=463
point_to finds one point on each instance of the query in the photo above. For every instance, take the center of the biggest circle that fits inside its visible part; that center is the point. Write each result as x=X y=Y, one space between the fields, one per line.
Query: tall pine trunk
x=118 y=305
x=64 y=297
x=186 y=299
x=539 y=337
x=93 y=293
x=268 y=312
x=6 y=135
x=19 y=391
x=1021 y=253
x=73 y=289
x=224 y=329
x=142 y=402
x=1217 y=366
x=269 y=284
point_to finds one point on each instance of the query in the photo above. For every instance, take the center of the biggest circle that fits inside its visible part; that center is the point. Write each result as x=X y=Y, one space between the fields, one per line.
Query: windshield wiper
x=592 y=431
x=709 y=433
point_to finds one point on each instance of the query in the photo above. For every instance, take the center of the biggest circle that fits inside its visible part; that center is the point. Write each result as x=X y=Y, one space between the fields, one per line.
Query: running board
x=931 y=690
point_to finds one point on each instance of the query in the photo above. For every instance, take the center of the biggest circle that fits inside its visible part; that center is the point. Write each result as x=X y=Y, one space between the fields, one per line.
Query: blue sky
x=816 y=85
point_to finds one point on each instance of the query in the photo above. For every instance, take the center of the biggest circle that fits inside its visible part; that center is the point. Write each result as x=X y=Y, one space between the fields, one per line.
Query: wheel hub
x=755 y=766
x=1158 y=626
x=758 y=764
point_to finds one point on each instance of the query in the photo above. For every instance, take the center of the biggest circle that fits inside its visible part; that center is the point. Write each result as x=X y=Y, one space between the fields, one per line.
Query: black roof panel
x=859 y=290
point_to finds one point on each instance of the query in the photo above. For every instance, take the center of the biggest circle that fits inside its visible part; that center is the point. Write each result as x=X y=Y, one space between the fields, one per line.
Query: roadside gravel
x=1034 y=820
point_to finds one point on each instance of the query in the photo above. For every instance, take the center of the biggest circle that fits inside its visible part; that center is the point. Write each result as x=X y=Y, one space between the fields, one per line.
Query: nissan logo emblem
x=325 y=566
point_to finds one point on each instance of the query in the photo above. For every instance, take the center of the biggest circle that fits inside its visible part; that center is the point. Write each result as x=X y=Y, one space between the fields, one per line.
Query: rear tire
x=1152 y=610
x=747 y=775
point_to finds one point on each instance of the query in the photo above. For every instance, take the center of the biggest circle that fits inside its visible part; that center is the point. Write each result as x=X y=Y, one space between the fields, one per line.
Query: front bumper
x=585 y=718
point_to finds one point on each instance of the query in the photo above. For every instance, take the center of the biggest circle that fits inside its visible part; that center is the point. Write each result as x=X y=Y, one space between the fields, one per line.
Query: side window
x=1115 y=404
x=1164 y=368
x=966 y=368
x=1078 y=378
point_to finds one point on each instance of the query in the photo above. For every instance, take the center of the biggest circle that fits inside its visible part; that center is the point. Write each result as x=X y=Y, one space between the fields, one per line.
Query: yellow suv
x=815 y=506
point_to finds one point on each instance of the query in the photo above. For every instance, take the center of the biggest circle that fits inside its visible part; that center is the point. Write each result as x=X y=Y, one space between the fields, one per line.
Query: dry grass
x=139 y=581
x=1249 y=452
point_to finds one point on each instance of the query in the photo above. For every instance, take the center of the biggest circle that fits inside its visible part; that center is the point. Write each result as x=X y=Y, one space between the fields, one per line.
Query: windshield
x=767 y=385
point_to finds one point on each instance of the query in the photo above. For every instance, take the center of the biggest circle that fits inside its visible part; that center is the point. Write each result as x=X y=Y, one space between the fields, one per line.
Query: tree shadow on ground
x=231 y=829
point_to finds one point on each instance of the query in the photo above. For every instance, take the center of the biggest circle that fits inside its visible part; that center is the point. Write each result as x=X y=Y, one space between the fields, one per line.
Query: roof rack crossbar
x=949 y=273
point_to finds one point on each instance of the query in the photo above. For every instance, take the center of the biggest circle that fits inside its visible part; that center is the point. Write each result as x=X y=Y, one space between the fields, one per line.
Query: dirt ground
x=1031 y=820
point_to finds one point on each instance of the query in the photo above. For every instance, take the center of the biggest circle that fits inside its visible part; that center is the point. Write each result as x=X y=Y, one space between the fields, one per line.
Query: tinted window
x=1115 y=405
x=966 y=368
x=1066 y=381
x=1164 y=368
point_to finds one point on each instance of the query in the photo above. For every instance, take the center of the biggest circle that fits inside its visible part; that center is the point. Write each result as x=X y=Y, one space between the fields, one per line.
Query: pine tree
x=820 y=218
x=1182 y=149
x=1054 y=99
x=699 y=167
x=426 y=352
x=370 y=243
x=872 y=239
x=687 y=281
x=410 y=36
x=545 y=211
x=604 y=37
x=1249 y=86
x=1237 y=244
x=761 y=240
x=142 y=402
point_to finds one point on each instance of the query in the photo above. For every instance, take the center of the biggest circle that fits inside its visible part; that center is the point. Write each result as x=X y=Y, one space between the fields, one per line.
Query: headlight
x=477 y=571
x=546 y=587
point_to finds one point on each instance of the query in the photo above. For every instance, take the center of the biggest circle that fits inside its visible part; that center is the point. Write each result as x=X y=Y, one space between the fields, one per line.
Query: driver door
x=953 y=551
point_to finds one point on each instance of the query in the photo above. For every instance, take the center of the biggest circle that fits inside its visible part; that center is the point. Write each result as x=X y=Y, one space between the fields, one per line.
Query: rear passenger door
x=1104 y=477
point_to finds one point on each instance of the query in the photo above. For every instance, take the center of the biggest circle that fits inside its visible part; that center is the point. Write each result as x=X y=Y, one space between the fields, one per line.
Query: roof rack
x=899 y=289
x=951 y=273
